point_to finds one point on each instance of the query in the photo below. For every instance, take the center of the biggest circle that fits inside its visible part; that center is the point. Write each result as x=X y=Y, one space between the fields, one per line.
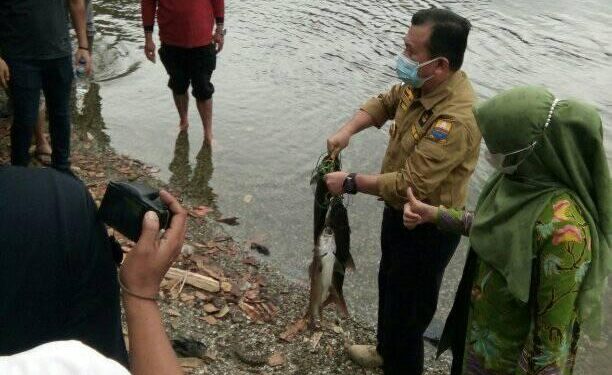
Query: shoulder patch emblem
x=440 y=130
x=406 y=98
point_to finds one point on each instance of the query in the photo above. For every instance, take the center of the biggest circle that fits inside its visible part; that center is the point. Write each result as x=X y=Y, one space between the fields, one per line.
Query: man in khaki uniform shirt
x=433 y=150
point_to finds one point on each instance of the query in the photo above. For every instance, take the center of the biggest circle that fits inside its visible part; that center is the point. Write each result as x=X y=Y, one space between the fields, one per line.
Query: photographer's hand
x=147 y=263
x=141 y=273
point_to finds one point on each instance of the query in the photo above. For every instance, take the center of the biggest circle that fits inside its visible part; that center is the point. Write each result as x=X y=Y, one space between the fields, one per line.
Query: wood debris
x=199 y=281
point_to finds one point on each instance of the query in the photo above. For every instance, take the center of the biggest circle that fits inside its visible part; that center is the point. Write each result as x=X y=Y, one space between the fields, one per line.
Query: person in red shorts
x=188 y=50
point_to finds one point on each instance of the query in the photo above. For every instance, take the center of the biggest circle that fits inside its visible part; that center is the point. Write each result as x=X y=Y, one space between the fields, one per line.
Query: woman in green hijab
x=540 y=238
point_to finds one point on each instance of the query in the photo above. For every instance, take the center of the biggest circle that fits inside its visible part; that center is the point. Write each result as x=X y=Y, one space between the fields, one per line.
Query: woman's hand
x=417 y=212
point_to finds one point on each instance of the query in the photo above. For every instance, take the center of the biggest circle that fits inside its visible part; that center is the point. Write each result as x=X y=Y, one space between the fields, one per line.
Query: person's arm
x=374 y=112
x=140 y=275
x=77 y=14
x=5 y=74
x=148 y=8
x=446 y=219
x=219 y=14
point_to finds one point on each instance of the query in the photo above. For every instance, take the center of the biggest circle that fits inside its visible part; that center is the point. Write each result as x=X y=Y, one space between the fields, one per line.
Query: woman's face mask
x=498 y=161
x=408 y=70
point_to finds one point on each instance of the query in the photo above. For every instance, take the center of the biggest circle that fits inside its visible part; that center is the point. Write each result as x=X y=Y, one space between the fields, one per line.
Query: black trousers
x=28 y=77
x=409 y=279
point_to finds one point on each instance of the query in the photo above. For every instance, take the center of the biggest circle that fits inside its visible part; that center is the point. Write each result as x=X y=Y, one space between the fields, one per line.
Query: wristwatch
x=349 y=186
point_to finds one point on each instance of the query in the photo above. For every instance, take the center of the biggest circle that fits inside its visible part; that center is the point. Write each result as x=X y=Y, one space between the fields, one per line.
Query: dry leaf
x=190 y=362
x=261 y=249
x=210 y=308
x=252 y=294
x=187 y=297
x=250 y=261
x=210 y=320
x=314 y=340
x=223 y=312
x=276 y=359
x=293 y=330
x=229 y=220
x=250 y=310
x=203 y=296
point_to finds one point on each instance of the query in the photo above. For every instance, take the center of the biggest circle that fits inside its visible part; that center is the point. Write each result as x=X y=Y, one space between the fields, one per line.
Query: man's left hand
x=83 y=55
x=335 y=182
x=218 y=39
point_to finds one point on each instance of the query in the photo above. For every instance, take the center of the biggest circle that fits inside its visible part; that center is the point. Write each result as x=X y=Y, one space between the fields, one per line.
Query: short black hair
x=449 y=33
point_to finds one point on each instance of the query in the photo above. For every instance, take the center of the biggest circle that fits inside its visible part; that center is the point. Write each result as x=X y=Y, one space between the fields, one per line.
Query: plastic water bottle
x=81 y=84
x=80 y=69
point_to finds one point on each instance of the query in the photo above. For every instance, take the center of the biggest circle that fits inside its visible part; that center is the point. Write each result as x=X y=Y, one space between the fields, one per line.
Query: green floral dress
x=507 y=336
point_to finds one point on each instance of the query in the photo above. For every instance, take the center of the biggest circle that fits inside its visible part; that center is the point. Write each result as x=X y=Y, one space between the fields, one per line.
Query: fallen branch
x=199 y=281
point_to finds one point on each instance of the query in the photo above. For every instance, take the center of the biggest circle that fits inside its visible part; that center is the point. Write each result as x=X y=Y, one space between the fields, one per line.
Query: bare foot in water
x=208 y=138
x=184 y=125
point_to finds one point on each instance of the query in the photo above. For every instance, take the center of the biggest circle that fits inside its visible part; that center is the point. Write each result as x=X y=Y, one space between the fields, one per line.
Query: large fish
x=331 y=255
x=322 y=196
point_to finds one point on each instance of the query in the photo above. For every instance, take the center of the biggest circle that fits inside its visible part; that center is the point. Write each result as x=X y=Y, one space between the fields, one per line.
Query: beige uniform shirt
x=434 y=142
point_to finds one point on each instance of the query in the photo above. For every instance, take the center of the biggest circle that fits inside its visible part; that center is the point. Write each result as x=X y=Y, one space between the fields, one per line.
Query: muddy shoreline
x=252 y=325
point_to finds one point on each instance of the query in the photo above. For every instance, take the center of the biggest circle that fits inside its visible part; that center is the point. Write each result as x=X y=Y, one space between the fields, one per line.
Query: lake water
x=292 y=72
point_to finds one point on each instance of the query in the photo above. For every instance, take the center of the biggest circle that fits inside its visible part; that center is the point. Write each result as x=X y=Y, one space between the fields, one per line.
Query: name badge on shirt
x=424 y=117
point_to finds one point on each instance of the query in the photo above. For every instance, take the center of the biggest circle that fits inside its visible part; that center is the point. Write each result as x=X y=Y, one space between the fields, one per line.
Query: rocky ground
x=227 y=310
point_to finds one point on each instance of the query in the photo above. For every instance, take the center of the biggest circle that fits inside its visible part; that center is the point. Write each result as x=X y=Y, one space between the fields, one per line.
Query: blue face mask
x=408 y=71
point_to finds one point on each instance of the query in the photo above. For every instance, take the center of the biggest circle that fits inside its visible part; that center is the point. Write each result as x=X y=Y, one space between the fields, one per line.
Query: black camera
x=125 y=204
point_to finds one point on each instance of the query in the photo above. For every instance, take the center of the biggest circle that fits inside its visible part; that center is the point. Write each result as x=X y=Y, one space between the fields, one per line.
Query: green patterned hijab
x=569 y=157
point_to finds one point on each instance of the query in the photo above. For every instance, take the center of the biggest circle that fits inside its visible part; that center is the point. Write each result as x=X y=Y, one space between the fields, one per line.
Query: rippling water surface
x=293 y=71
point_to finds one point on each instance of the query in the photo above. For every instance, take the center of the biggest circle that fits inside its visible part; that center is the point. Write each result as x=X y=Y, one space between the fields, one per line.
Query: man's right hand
x=149 y=260
x=338 y=142
x=149 y=47
x=5 y=74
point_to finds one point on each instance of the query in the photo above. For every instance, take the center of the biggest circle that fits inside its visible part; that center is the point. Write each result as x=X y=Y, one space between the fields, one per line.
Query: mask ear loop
x=512 y=169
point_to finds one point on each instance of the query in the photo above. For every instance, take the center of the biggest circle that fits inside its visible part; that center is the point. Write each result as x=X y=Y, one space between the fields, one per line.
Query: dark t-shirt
x=34 y=29
x=58 y=279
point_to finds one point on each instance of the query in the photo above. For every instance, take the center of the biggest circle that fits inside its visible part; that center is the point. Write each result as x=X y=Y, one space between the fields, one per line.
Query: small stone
x=187 y=250
x=173 y=312
x=226 y=287
x=276 y=359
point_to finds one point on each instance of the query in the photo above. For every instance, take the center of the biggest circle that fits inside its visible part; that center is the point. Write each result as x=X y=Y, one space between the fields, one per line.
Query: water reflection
x=194 y=183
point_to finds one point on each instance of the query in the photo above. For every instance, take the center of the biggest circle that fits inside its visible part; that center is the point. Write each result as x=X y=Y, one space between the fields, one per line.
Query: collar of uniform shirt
x=441 y=92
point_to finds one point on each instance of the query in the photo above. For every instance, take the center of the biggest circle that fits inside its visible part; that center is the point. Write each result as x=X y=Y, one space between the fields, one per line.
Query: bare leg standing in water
x=188 y=51
x=182 y=106
x=205 y=109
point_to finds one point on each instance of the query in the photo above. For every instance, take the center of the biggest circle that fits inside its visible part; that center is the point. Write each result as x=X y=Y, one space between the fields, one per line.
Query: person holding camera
x=59 y=278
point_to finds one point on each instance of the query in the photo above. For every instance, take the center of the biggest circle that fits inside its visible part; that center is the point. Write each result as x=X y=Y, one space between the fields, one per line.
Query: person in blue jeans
x=36 y=54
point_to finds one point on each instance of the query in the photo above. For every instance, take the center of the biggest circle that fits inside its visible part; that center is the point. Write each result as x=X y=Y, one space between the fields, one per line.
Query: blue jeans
x=28 y=77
